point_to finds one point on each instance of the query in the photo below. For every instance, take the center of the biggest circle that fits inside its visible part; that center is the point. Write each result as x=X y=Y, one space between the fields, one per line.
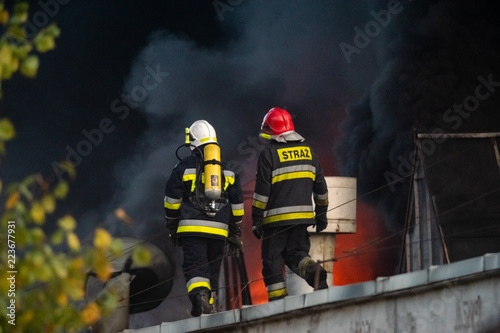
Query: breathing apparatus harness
x=209 y=174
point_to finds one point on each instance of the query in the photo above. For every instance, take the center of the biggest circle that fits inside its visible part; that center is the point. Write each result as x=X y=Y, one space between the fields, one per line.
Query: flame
x=366 y=254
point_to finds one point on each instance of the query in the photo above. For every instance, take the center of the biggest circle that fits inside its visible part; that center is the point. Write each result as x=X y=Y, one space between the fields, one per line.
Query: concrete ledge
x=263 y=310
x=483 y=290
x=295 y=302
x=491 y=261
x=151 y=329
x=221 y=319
x=456 y=269
x=409 y=280
x=351 y=291
x=185 y=325
x=316 y=298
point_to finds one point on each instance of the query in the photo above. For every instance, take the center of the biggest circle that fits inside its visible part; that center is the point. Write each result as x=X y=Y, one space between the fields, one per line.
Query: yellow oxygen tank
x=212 y=171
x=187 y=136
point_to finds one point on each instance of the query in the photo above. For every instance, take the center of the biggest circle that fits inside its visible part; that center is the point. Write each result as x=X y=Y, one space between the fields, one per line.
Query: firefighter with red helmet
x=203 y=210
x=289 y=175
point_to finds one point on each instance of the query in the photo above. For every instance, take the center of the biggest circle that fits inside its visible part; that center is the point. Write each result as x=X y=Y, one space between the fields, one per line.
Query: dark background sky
x=230 y=69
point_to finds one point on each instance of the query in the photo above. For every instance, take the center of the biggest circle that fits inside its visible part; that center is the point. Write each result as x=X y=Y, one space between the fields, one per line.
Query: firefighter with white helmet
x=289 y=174
x=203 y=210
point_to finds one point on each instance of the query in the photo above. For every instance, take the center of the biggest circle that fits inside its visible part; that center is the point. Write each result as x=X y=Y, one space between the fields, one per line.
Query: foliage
x=42 y=274
x=18 y=49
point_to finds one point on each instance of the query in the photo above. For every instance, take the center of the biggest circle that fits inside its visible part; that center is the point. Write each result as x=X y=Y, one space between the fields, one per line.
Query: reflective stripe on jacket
x=180 y=202
x=289 y=175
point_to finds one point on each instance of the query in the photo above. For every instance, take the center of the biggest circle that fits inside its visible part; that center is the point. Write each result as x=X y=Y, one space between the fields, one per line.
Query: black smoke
x=230 y=72
x=280 y=53
x=432 y=56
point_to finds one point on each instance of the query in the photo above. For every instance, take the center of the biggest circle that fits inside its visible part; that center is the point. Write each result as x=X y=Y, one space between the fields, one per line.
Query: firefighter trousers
x=202 y=261
x=289 y=245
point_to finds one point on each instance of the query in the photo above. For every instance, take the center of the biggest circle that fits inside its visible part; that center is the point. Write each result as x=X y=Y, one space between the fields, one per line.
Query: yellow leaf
x=12 y=200
x=141 y=256
x=102 y=267
x=5 y=54
x=74 y=288
x=7 y=131
x=4 y=16
x=102 y=239
x=27 y=317
x=67 y=223
x=49 y=203
x=61 y=190
x=77 y=264
x=62 y=299
x=73 y=241
x=91 y=314
x=29 y=66
x=37 y=213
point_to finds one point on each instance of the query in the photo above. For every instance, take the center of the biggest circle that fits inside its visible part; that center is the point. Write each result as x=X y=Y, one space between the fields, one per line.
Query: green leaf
x=52 y=30
x=21 y=8
x=141 y=256
x=44 y=43
x=37 y=236
x=61 y=190
x=58 y=237
x=22 y=51
x=20 y=13
x=29 y=66
x=67 y=223
x=59 y=266
x=116 y=247
x=7 y=131
x=49 y=203
x=37 y=213
x=16 y=32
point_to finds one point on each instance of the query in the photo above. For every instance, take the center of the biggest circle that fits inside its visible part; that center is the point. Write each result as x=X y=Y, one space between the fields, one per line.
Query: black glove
x=257 y=229
x=235 y=228
x=171 y=224
x=235 y=245
x=173 y=237
x=321 y=223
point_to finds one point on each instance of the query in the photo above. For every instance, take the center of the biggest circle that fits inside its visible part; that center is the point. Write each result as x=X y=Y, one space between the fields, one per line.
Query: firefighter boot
x=201 y=303
x=311 y=271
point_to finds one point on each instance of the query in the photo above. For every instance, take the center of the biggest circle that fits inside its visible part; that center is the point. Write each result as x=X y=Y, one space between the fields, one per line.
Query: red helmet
x=277 y=121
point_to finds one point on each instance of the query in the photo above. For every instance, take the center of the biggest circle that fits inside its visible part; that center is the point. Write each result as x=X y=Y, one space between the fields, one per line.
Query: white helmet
x=201 y=132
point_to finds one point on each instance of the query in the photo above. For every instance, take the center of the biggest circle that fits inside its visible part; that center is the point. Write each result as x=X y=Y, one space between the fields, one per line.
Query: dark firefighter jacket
x=287 y=175
x=181 y=202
